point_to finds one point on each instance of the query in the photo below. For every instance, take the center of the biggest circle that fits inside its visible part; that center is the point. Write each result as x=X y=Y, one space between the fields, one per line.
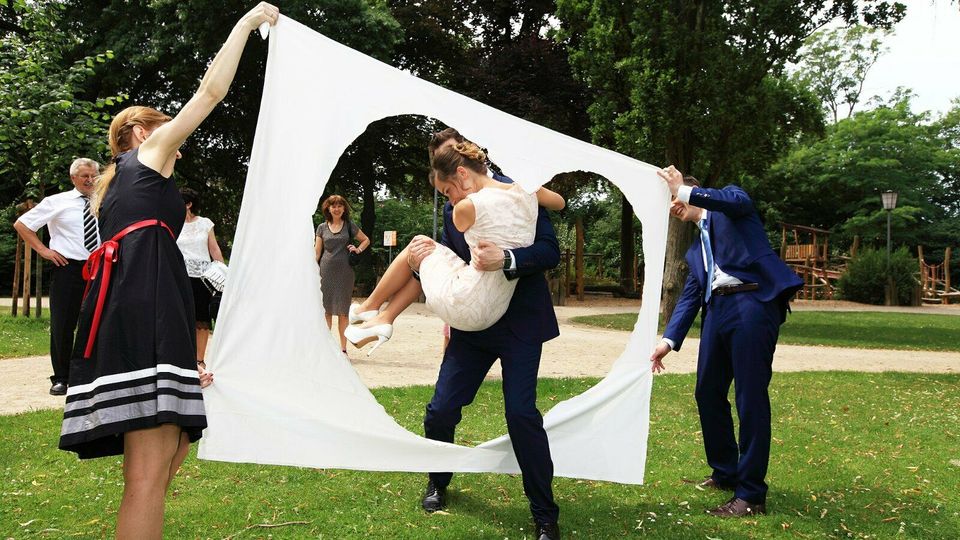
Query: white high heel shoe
x=356 y=316
x=360 y=336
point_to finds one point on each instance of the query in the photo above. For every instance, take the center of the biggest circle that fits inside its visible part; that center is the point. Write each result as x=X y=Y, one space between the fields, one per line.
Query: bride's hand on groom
x=420 y=247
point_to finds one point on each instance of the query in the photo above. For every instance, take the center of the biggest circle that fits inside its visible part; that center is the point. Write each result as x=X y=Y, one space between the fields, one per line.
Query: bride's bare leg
x=401 y=300
x=392 y=282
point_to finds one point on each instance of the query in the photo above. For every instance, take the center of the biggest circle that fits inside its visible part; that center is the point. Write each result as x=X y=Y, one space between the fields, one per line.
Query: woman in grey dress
x=333 y=246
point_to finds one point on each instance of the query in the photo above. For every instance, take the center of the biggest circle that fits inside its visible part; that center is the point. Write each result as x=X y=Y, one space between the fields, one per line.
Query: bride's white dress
x=466 y=298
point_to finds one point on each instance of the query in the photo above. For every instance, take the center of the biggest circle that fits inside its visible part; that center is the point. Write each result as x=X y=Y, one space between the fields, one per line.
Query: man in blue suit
x=516 y=339
x=744 y=290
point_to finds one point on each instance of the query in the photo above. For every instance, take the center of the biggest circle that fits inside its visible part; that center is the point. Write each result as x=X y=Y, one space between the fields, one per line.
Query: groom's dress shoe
x=710 y=483
x=737 y=507
x=434 y=498
x=547 y=531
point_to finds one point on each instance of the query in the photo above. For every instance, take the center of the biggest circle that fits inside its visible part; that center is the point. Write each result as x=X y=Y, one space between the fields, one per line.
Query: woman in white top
x=466 y=298
x=199 y=247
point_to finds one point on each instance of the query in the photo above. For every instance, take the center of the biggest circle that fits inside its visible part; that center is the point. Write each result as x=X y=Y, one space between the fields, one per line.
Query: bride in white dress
x=464 y=297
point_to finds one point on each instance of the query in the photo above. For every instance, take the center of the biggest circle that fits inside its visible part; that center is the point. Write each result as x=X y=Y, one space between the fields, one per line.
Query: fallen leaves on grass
x=267 y=526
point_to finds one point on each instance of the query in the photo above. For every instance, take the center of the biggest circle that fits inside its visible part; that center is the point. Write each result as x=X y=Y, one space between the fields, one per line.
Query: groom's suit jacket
x=740 y=249
x=530 y=316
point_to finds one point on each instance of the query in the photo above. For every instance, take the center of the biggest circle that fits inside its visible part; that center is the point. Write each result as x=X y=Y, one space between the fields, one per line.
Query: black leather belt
x=725 y=290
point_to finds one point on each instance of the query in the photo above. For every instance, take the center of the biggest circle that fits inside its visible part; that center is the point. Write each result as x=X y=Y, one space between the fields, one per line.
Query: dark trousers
x=66 y=295
x=737 y=344
x=465 y=363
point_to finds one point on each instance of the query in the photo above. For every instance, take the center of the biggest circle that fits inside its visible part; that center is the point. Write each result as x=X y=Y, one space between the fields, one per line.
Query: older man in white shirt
x=73 y=235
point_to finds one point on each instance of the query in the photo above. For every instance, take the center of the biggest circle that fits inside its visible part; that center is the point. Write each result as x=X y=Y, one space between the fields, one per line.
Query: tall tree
x=699 y=84
x=835 y=62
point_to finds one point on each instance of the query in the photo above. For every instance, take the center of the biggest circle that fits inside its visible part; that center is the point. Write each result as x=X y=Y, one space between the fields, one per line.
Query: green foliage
x=407 y=218
x=47 y=116
x=162 y=50
x=45 y=120
x=853 y=329
x=869 y=453
x=835 y=183
x=835 y=62
x=697 y=84
x=599 y=207
x=866 y=276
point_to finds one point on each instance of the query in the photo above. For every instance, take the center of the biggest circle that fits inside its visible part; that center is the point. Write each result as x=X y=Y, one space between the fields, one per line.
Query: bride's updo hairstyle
x=465 y=154
x=121 y=140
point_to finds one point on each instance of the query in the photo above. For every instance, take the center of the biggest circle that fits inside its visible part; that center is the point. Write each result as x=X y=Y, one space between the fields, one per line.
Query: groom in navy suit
x=516 y=339
x=744 y=290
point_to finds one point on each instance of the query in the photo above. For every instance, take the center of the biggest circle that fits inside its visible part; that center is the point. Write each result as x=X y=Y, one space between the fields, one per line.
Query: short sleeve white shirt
x=193 y=244
x=62 y=214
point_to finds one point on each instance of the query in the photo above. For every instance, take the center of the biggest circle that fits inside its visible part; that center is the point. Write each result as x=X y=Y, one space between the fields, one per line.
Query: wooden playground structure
x=23 y=273
x=935 y=280
x=566 y=281
x=807 y=251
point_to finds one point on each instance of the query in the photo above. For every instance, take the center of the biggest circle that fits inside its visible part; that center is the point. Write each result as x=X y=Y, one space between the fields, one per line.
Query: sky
x=924 y=55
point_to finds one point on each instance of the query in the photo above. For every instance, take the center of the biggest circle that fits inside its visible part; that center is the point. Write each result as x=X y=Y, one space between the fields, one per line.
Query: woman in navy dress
x=134 y=387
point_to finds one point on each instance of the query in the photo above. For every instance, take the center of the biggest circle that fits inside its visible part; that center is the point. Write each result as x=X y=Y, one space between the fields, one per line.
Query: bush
x=866 y=276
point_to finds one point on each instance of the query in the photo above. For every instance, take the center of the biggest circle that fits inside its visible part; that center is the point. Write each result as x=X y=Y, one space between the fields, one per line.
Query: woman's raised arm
x=160 y=149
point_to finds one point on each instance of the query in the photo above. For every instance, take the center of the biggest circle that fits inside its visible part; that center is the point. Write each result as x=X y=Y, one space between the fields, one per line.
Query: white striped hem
x=131 y=376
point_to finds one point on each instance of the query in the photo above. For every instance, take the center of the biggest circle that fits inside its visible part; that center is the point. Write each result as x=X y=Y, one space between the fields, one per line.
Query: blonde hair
x=121 y=140
x=464 y=154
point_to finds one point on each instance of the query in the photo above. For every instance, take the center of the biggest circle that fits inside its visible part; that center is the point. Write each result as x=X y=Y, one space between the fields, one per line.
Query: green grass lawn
x=865 y=330
x=854 y=456
x=20 y=336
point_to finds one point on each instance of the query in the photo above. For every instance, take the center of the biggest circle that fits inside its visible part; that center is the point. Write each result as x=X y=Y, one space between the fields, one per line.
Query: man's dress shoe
x=434 y=498
x=547 y=531
x=737 y=507
x=710 y=483
x=58 y=389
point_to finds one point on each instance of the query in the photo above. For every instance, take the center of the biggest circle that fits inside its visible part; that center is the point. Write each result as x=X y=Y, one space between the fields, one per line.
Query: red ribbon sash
x=107 y=254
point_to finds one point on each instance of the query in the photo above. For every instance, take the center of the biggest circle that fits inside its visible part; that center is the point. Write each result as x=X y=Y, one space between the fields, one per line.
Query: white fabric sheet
x=283 y=394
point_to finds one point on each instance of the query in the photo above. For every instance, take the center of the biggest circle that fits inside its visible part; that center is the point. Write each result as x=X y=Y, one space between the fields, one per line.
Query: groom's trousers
x=466 y=361
x=737 y=343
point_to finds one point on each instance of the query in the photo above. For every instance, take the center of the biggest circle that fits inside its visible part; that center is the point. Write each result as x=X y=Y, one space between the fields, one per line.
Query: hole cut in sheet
x=284 y=395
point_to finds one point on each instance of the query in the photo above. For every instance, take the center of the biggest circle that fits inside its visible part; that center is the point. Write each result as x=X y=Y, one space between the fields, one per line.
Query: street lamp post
x=889 y=199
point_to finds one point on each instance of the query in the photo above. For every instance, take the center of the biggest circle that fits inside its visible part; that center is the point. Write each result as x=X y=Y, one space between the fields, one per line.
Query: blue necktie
x=708 y=250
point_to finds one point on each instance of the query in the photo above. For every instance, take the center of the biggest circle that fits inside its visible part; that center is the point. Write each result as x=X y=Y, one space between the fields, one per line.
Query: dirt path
x=413 y=355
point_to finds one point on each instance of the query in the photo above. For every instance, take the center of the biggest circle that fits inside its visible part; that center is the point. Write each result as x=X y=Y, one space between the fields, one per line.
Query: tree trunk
x=15 y=292
x=579 y=256
x=627 y=247
x=679 y=237
x=368 y=217
x=27 y=268
x=39 y=285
